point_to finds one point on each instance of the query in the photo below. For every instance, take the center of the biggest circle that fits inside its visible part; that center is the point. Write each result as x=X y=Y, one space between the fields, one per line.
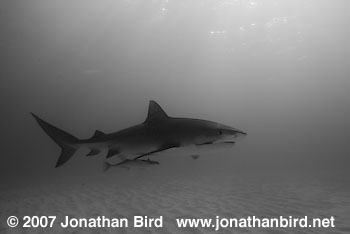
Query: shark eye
x=220 y=132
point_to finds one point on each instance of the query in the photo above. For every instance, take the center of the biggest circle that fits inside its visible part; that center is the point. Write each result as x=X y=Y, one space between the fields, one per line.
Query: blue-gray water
x=279 y=70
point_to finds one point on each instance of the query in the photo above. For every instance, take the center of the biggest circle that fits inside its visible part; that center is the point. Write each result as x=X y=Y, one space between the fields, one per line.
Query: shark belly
x=134 y=146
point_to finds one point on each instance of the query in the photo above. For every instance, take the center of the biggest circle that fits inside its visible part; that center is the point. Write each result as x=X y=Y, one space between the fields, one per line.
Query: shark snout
x=238 y=136
x=234 y=132
x=232 y=135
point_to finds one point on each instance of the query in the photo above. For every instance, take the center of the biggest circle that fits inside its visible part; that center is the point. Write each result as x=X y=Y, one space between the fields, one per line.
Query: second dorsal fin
x=155 y=112
x=98 y=134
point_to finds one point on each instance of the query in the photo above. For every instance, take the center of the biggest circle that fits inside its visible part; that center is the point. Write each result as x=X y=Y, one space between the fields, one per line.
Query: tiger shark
x=159 y=132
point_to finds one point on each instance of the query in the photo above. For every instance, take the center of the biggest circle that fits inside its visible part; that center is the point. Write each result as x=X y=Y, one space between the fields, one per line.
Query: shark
x=159 y=132
x=127 y=163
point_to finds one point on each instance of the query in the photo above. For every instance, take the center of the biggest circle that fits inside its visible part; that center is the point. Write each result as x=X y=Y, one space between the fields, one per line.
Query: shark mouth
x=232 y=139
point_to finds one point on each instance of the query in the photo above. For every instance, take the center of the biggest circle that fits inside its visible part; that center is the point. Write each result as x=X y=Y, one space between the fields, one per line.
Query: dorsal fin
x=98 y=134
x=155 y=112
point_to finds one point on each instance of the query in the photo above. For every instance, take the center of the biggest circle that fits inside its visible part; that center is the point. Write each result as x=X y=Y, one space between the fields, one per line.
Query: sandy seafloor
x=192 y=194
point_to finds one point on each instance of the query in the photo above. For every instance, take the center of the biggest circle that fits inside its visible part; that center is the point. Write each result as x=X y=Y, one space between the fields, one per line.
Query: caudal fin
x=106 y=166
x=62 y=138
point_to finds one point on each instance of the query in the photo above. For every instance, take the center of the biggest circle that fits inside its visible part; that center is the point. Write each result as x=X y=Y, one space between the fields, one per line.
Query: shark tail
x=106 y=166
x=66 y=141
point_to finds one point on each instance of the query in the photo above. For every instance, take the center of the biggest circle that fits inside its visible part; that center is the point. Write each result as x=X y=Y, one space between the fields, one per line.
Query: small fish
x=127 y=163
x=195 y=156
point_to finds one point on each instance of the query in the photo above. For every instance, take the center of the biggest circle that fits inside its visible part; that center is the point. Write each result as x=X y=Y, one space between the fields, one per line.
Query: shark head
x=208 y=132
x=193 y=131
x=229 y=134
